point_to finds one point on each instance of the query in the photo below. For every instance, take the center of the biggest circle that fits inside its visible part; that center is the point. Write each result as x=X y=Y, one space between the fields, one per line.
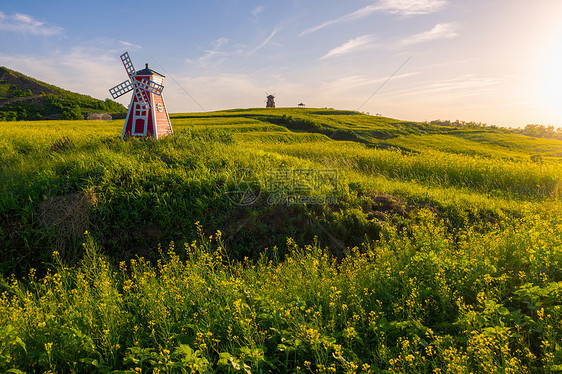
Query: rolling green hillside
x=279 y=240
x=385 y=133
x=25 y=98
x=147 y=193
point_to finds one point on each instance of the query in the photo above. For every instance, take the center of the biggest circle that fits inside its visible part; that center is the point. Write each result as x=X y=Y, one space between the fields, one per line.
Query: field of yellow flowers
x=427 y=261
x=425 y=303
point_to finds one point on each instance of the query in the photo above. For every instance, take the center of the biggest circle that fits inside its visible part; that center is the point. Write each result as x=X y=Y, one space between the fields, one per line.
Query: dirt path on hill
x=16 y=99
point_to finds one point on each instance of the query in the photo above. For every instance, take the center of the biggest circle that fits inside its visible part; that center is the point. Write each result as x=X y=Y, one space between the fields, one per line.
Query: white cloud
x=363 y=12
x=256 y=12
x=456 y=88
x=212 y=55
x=359 y=43
x=25 y=24
x=265 y=42
x=439 y=31
x=398 y=7
x=220 y=42
x=130 y=45
x=209 y=56
x=411 y=7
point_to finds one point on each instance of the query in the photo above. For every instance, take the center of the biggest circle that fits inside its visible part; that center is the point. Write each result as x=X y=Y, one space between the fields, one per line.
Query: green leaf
x=503 y=311
x=89 y=360
x=184 y=349
x=20 y=343
x=224 y=358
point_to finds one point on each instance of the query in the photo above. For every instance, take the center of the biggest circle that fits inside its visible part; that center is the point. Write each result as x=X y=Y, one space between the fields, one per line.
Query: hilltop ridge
x=14 y=82
x=26 y=98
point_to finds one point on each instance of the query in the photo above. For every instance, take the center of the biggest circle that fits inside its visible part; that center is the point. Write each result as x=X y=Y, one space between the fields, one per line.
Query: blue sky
x=497 y=61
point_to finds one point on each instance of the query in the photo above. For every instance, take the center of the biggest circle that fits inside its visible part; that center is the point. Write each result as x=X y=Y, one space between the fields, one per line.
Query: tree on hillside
x=73 y=113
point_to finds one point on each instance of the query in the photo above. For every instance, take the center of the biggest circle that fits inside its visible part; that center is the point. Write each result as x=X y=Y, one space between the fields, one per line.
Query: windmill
x=147 y=115
x=270 y=101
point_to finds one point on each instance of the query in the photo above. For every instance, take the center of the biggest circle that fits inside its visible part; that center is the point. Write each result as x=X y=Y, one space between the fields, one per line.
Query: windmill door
x=140 y=120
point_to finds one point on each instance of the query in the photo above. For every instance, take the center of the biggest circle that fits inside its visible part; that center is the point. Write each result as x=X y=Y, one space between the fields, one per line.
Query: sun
x=551 y=87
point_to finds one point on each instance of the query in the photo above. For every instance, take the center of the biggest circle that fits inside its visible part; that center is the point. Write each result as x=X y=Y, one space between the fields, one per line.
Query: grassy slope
x=459 y=233
x=488 y=142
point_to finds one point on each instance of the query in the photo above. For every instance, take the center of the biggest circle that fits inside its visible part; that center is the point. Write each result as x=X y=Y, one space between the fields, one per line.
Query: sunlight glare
x=552 y=77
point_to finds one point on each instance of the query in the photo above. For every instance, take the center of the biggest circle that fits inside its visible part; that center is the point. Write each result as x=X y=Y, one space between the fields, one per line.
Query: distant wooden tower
x=270 y=101
x=147 y=116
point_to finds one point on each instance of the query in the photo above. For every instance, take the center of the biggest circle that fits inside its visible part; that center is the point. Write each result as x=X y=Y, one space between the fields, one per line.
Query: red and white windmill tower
x=147 y=115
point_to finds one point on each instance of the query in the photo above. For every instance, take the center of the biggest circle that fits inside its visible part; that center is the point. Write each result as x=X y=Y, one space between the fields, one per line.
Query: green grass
x=483 y=143
x=438 y=169
x=441 y=248
x=281 y=137
x=521 y=143
x=455 y=144
x=382 y=131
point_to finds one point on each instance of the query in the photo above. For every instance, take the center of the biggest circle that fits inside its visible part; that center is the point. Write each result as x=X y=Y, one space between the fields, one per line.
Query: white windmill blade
x=142 y=98
x=128 y=64
x=151 y=86
x=121 y=89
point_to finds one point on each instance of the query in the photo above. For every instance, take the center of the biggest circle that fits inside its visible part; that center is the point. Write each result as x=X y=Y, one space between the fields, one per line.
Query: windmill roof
x=148 y=71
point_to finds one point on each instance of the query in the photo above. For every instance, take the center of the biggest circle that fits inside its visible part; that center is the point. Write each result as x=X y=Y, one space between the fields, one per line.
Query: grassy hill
x=154 y=192
x=25 y=98
x=282 y=240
